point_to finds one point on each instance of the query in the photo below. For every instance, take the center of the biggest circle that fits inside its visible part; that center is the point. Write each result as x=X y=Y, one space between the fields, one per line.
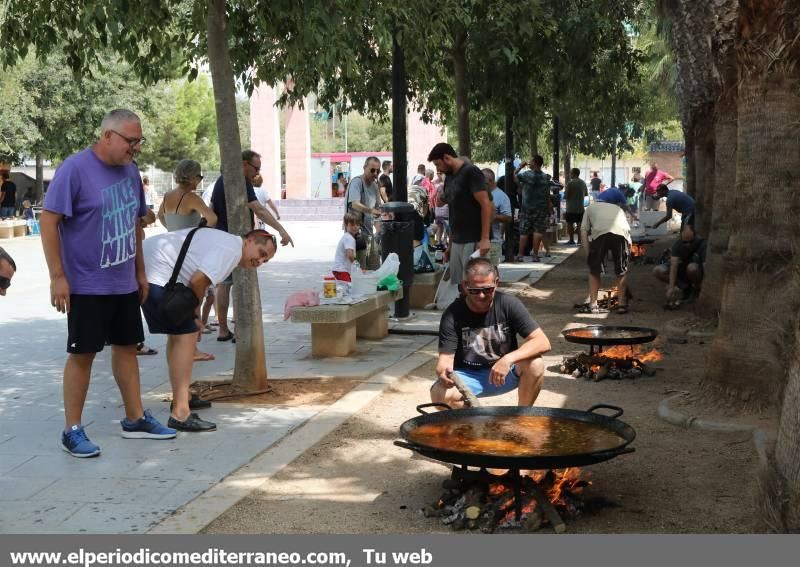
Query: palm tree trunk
x=782 y=495
x=725 y=132
x=759 y=304
x=691 y=164
x=250 y=367
x=704 y=167
x=461 y=81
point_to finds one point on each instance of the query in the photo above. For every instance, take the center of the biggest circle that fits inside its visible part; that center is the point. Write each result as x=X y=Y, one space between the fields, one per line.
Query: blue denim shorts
x=478 y=381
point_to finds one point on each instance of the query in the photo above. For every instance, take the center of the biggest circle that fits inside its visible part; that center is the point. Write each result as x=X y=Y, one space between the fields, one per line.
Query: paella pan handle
x=432 y=405
x=405 y=445
x=618 y=411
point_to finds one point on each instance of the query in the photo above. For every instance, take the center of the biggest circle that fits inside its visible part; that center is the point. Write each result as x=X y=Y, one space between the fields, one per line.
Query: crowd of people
x=104 y=274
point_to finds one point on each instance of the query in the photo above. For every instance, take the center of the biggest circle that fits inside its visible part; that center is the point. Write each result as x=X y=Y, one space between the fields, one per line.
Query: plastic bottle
x=356 y=268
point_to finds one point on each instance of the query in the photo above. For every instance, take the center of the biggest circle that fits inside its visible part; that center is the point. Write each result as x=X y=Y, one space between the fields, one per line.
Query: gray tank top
x=176 y=221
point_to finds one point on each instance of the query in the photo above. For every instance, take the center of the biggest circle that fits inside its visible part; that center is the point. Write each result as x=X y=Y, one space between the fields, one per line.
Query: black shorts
x=156 y=324
x=598 y=249
x=576 y=218
x=94 y=321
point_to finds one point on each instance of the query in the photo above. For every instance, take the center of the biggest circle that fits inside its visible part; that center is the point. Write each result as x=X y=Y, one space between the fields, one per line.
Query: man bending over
x=478 y=341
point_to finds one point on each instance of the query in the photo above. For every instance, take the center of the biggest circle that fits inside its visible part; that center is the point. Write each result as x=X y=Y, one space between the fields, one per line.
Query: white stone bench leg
x=333 y=339
x=373 y=325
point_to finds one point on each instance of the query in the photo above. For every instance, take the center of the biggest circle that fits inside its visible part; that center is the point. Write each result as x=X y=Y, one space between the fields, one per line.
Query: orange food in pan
x=516 y=436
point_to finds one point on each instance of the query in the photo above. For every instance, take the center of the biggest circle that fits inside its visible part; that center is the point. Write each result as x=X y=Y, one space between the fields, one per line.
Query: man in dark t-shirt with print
x=251 y=166
x=478 y=342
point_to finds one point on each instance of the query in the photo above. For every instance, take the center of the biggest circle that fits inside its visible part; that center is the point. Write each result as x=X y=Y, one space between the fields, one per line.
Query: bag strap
x=178 y=206
x=182 y=254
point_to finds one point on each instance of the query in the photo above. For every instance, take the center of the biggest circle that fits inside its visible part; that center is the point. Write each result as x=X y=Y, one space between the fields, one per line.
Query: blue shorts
x=152 y=315
x=478 y=381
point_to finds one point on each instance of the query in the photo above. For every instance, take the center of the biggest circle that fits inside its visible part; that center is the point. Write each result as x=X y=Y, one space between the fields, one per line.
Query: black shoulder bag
x=180 y=302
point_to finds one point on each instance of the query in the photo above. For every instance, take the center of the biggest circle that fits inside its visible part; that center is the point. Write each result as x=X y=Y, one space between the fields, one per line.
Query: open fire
x=616 y=362
x=479 y=500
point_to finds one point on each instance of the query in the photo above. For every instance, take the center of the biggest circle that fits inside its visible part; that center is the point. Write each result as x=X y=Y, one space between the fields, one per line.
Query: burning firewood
x=616 y=363
x=479 y=500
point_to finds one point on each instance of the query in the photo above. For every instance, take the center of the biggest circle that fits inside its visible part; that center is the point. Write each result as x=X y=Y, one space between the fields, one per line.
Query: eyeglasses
x=488 y=290
x=374 y=170
x=132 y=142
x=265 y=233
x=258 y=169
x=5 y=282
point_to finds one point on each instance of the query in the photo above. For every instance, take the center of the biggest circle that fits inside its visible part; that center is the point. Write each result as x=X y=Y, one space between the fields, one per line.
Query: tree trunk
x=461 y=81
x=704 y=167
x=725 y=132
x=533 y=139
x=782 y=496
x=689 y=182
x=250 y=369
x=38 y=188
x=747 y=358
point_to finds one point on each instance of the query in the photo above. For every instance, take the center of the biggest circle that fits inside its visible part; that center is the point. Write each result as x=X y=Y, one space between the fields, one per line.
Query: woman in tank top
x=183 y=208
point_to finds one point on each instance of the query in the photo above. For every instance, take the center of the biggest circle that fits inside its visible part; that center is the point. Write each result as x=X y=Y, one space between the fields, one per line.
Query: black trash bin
x=398 y=236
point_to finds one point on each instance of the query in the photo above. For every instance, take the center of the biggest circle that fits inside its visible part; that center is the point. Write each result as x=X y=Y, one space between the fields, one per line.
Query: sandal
x=200 y=356
x=228 y=337
x=144 y=350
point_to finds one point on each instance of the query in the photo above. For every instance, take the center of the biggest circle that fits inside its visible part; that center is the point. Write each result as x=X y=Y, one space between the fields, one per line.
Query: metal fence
x=163 y=181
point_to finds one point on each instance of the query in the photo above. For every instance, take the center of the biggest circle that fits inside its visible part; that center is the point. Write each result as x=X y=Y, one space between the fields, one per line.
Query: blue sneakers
x=146 y=427
x=76 y=443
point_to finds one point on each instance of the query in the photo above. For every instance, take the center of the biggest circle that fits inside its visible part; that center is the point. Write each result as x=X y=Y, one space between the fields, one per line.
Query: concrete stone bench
x=13 y=228
x=423 y=289
x=334 y=328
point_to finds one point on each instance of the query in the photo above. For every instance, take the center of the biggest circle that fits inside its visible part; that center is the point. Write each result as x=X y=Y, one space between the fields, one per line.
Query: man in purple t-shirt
x=92 y=240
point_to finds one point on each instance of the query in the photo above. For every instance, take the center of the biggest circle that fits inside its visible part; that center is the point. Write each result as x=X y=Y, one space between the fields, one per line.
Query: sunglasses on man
x=488 y=290
x=5 y=282
x=265 y=233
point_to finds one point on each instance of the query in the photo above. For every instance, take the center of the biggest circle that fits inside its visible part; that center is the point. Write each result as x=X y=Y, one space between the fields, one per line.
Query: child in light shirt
x=346 y=249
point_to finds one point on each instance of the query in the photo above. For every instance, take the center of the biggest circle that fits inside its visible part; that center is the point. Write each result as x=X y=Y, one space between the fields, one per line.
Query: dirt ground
x=280 y=393
x=677 y=481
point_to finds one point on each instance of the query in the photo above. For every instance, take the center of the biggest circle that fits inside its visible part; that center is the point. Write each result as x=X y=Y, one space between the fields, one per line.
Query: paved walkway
x=136 y=484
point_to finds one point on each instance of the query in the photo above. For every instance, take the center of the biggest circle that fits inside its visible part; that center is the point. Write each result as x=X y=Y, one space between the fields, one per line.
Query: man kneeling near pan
x=478 y=342
x=210 y=258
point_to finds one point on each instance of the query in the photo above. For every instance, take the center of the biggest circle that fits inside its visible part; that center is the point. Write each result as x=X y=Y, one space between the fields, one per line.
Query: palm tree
x=696 y=87
x=725 y=128
x=759 y=302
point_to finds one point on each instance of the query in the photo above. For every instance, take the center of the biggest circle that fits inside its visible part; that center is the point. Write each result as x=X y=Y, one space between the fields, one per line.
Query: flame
x=632 y=351
x=571 y=479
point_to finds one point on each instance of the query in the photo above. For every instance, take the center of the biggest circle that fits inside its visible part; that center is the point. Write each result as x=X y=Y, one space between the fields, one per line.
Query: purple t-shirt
x=101 y=205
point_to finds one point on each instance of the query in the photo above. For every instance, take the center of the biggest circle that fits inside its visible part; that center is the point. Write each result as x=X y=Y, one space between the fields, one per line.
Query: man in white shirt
x=211 y=257
x=263 y=197
x=605 y=227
